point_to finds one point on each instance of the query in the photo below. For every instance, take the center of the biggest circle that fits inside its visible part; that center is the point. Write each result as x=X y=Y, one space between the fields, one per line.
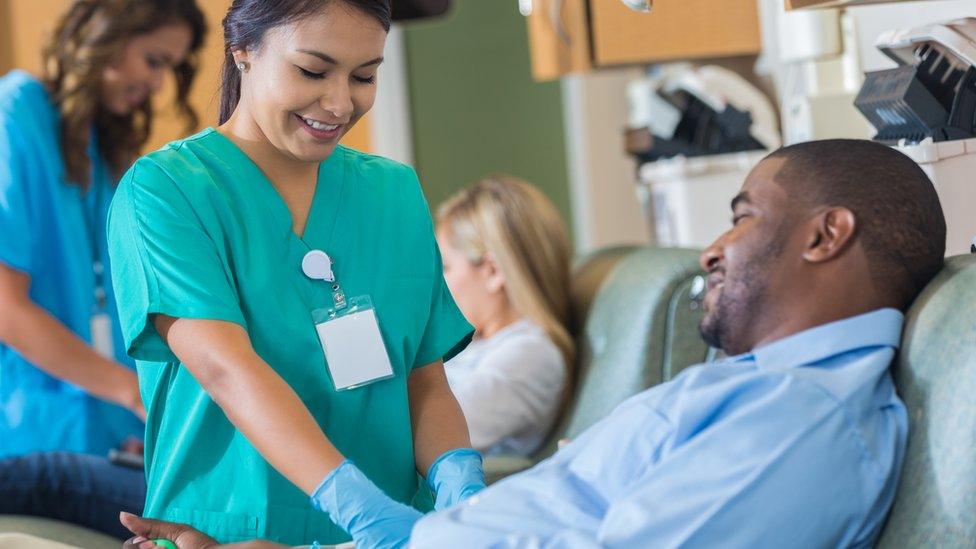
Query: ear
x=495 y=281
x=239 y=55
x=831 y=232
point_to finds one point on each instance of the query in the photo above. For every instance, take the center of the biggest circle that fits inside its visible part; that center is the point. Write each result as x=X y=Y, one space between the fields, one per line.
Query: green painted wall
x=474 y=106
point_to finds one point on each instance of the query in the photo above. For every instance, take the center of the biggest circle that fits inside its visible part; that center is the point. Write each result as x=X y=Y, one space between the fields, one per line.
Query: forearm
x=438 y=424
x=255 y=399
x=48 y=344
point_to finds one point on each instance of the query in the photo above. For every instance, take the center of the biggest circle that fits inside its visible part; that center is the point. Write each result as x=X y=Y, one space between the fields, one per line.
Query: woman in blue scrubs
x=65 y=138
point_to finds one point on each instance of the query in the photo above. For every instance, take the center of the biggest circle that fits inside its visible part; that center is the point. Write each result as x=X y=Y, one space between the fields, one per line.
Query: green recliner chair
x=636 y=314
x=936 y=378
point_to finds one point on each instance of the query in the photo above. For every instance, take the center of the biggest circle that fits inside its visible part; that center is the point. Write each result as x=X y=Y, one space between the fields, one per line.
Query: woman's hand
x=126 y=392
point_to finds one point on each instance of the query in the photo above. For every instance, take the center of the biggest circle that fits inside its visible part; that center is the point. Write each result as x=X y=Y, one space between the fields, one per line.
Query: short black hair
x=899 y=219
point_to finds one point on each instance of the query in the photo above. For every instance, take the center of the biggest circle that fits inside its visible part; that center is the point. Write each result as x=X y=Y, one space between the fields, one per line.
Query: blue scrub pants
x=80 y=489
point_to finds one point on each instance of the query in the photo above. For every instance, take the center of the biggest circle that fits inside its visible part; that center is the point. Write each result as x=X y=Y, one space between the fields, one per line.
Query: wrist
x=446 y=463
x=125 y=387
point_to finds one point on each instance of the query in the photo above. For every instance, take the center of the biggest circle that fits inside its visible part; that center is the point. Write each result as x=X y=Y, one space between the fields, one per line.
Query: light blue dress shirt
x=798 y=444
x=51 y=230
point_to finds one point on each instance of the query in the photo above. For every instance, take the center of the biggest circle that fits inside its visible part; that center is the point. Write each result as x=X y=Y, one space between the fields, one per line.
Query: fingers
x=149 y=528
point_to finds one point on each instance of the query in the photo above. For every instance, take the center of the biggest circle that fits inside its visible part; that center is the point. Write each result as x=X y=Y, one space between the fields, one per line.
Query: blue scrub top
x=796 y=444
x=49 y=228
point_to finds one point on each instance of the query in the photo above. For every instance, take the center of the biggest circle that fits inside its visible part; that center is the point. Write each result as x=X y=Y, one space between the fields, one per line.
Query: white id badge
x=353 y=345
x=101 y=335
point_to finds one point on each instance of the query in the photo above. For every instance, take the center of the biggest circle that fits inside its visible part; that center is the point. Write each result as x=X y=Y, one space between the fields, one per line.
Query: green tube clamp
x=167 y=544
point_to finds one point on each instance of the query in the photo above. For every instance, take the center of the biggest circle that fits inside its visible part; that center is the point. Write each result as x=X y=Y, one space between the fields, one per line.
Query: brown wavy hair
x=88 y=38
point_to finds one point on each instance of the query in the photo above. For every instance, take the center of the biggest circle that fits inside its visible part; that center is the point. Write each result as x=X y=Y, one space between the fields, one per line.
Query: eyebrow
x=741 y=197
x=329 y=59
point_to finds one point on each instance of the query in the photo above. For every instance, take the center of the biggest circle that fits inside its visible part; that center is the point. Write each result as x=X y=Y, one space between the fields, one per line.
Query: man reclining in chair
x=796 y=440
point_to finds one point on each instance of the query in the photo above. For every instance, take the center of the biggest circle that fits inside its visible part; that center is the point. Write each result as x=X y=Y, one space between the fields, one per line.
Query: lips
x=318 y=129
x=716 y=281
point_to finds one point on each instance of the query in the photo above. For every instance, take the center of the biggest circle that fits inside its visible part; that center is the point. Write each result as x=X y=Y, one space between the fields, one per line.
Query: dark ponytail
x=247 y=21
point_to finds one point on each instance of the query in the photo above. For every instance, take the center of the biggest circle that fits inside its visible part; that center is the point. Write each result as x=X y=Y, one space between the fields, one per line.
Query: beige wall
x=26 y=24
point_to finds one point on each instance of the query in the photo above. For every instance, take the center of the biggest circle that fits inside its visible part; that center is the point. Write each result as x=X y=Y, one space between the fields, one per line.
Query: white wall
x=602 y=177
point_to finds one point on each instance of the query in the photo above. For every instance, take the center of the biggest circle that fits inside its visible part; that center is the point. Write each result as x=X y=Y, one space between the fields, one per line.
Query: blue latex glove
x=455 y=476
x=355 y=504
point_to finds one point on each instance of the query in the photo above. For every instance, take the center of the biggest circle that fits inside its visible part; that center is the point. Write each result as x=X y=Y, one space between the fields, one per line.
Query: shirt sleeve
x=15 y=215
x=164 y=262
x=447 y=332
x=512 y=390
x=558 y=503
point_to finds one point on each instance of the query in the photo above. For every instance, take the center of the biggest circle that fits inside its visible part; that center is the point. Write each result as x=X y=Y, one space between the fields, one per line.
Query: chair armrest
x=499 y=467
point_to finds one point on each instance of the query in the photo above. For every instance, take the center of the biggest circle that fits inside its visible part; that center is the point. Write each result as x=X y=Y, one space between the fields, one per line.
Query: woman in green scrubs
x=241 y=370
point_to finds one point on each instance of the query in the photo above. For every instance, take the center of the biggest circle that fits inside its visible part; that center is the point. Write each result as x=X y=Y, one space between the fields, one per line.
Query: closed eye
x=311 y=75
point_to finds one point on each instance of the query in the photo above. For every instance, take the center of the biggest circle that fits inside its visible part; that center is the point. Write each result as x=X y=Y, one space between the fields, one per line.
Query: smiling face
x=141 y=67
x=310 y=81
x=748 y=267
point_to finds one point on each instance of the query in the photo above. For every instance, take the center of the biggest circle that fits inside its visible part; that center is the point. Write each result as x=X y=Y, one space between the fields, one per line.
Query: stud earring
x=243 y=66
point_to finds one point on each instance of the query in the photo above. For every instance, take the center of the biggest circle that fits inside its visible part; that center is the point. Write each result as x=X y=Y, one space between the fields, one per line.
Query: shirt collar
x=879 y=328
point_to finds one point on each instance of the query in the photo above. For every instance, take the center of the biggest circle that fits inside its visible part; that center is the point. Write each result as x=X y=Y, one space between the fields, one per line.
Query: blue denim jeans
x=85 y=490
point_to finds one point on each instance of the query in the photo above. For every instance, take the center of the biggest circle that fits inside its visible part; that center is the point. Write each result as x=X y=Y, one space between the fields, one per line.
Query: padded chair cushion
x=936 y=377
x=636 y=334
x=58 y=531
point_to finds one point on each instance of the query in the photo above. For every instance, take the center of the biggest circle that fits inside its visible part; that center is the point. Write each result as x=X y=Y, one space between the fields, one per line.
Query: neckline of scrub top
x=331 y=174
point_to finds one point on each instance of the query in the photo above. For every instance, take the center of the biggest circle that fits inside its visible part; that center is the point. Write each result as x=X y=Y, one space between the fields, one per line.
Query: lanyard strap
x=91 y=207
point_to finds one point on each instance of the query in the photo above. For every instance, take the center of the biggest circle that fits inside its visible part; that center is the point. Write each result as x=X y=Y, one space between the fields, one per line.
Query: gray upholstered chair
x=637 y=326
x=936 y=377
x=62 y=532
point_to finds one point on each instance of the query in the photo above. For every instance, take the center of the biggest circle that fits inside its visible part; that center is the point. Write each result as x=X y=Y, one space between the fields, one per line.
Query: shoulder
x=727 y=390
x=184 y=166
x=24 y=102
x=19 y=89
x=394 y=180
x=527 y=350
x=371 y=164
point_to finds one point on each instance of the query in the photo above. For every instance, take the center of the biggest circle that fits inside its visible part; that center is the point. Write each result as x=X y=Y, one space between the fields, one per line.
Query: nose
x=338 y=100
x=713 y=254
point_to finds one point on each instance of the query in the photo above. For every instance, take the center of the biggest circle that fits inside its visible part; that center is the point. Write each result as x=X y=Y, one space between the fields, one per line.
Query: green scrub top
x=197 y=231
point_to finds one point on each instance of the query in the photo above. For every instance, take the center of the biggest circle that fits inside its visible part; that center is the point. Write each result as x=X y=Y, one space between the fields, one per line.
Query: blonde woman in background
x=506 y=260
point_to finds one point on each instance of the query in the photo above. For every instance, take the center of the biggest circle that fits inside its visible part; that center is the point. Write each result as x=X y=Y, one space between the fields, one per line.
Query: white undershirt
x=509 y=387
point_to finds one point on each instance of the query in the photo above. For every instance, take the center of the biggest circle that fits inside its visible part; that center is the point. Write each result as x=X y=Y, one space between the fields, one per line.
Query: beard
x=727 y=325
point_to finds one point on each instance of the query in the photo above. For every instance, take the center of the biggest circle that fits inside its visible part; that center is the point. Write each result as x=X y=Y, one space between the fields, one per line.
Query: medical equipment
x=926 y=108
x=696 y=132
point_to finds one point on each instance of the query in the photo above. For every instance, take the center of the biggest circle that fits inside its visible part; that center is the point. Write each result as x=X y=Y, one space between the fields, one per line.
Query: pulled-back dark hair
x=899 y=218
x=247 y=21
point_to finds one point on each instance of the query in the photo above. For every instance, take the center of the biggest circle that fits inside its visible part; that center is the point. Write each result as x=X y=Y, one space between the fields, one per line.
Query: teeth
x=315 y=124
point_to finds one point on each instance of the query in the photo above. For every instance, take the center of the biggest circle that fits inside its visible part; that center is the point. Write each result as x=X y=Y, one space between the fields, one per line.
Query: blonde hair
x=513 y=221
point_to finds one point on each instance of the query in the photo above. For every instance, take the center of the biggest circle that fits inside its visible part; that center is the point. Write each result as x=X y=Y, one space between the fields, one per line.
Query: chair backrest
x=936 y=377
x=640 y=329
